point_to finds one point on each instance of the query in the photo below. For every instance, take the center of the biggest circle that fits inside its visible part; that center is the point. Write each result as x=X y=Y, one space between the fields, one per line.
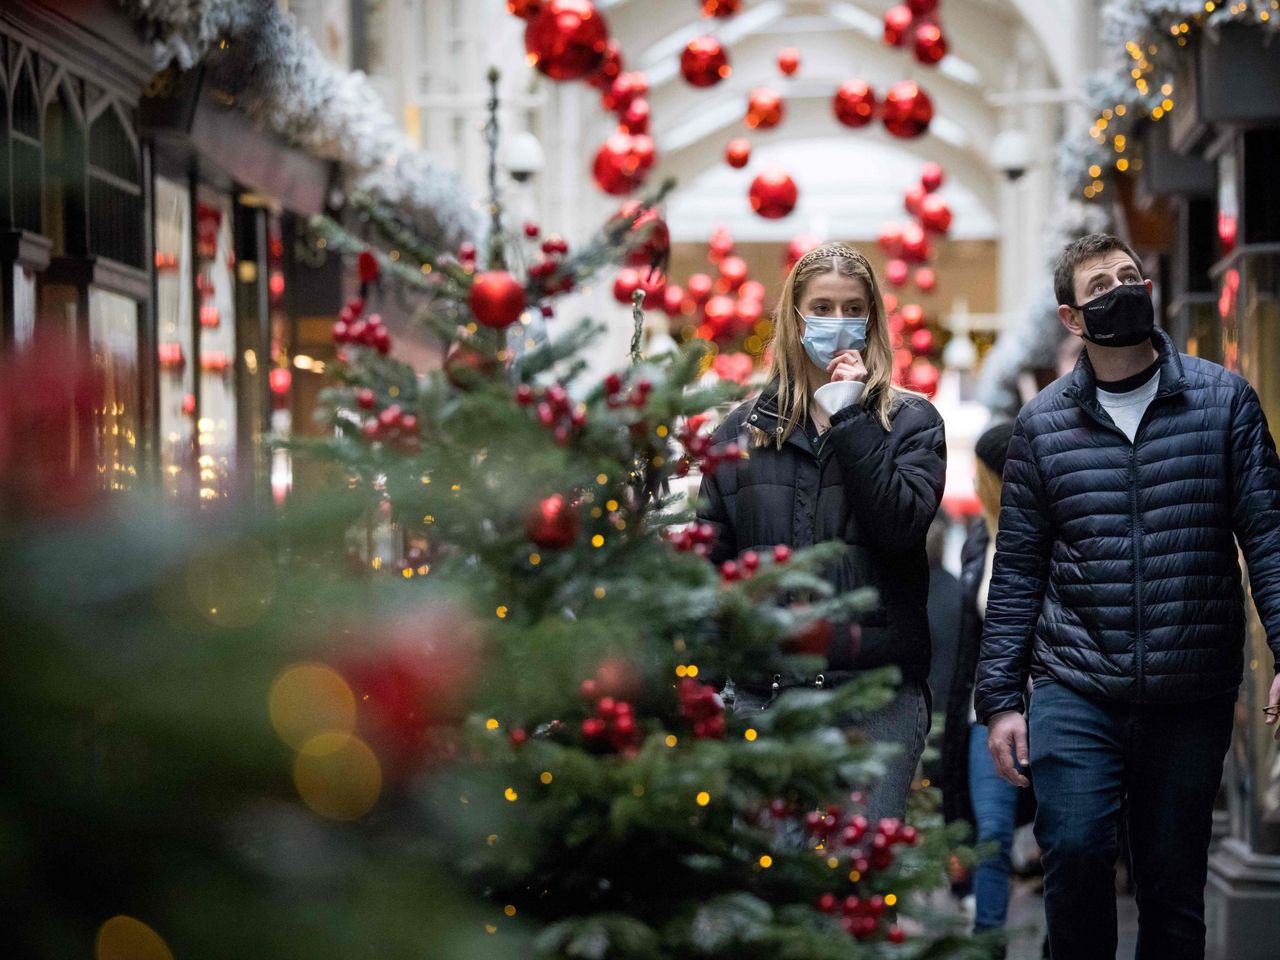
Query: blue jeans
x=1085 y=756
x=995 y=804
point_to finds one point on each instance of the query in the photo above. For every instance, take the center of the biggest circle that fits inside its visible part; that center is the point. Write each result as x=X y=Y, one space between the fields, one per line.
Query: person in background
x=944 y=620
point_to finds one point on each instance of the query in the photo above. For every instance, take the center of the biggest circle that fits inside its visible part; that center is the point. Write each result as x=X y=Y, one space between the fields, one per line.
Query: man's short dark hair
x=1076 y=253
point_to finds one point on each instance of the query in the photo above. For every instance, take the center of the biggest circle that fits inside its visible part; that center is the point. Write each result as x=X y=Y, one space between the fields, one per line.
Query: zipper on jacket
x=1137 y=567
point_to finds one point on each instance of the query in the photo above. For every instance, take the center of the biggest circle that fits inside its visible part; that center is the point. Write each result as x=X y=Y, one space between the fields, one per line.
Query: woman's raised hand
x=847 y=365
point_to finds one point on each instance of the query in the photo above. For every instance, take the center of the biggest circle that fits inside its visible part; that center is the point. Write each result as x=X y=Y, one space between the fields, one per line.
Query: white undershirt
x=1126 y=409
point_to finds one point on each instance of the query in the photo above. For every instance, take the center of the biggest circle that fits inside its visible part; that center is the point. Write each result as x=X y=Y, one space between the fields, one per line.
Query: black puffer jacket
x=875 y=490
x=1116 y=569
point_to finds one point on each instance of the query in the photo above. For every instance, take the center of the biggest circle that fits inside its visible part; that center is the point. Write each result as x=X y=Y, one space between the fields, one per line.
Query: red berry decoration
x=764 y=109
x=626 y=283
x=610 y=67
x=566 y=39
x=896 y=271
x=922 y=7
x=737 y=153
x=720 y=8
x=635 y=118
x=935 y=214
x=704 y=63
x=702 y=706
x=854 y=104
x=788 y=61
x=907 y=110
x=897 y=24
x=781 y=553
x=618 y=167
x=497 y=299
x=553 y=523
x=926 y=279
x=930 y=44
x=931 y=177
x=524 y=9
x=773 y=194
x=367 y=267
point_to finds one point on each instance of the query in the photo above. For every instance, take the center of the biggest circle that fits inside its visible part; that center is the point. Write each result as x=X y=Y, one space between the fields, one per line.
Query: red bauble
x=644 y=151
x=752 y=290
x=720 y=245
x=673 y=300
x=764 y=109
x=720 y=8
x=635 y=119
x=738 y=152
x=720 y=312
x=497 y=299
x=926 y=279
x=798 y=246
x=654 y=285
x=930 y=44
x=915 y=244
x=567 y=39
x=699 y=287
x=747 y=313
x=923 y=376
x=912 y=316
x=890 y=241
x=524 y=9
x=734 y=271
x=922 y=7
x=922 y=341
x=913 y=198
x=813 y=639
x=610 y=67
x=625 y=90
x=465 y=367
x=931 y=176
x=617 y=168
x=704 y=62
x=552 y=524
x=788 y=60
x=935 y=214
x=626 y=283
x=897 y=24
x=907 y=110
x=367 y=266
x=895 y=271
x=656 y=242
x=854 y=104
x=773 y=194
x=280 y=380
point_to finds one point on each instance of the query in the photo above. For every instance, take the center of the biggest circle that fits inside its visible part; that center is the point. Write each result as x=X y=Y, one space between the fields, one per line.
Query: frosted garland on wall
x=292 y=90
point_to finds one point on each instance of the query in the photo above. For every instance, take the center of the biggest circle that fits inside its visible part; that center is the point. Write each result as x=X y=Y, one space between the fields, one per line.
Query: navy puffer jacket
x=875 y=490
x=1116 y=569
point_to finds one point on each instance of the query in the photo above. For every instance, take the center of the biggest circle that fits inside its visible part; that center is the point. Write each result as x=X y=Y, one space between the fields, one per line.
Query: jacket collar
x=1083 y=387
x=766 y=415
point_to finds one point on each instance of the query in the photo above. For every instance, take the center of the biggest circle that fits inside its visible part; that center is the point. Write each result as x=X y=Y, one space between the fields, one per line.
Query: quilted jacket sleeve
x=1018 y=579
x=895 y=477
x=1255 y=507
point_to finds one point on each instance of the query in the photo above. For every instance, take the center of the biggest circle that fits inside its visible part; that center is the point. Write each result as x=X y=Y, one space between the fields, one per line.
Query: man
x=1116 y=586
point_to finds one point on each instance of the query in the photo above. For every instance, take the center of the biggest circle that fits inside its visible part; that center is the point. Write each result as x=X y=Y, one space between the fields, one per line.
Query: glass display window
x=175 y=339
x=215 y=314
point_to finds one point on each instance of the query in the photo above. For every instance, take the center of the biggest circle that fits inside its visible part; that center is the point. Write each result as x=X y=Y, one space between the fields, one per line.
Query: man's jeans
x=1085 y=756
x=995 y=807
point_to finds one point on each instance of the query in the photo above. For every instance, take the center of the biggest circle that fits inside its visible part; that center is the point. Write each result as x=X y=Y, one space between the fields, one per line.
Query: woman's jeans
x=1086 y=755
x=904 y=721
x=995 y=804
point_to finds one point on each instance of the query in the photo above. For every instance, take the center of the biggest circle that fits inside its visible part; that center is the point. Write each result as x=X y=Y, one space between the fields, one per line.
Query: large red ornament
x=567 y=39
x=764 y=109
x=930 y=44
x=926 y=279
x=890 y=241
x=734 y=271
x=720 y=8
x=788 y=61
x=738 y=152
x=922 y=341
x=931 y=176
x=626 y=89
x=935 y=214
x=854 y=104
x=720 y=311
x=896 y=271
x=524 y=9
x=617 y=168
x=610 y=67
x=798 y=246
x=626 y=283
x=367 y=267
x=497 y=299
x=673 y=300
x=907 y=110
x=655 y=246
x=699 y=287
x=553 y=523
x=922 y=8
x=897 y=24
x=773 y=194
x=752 y=290
x=915 y=244
x=912 y=200
x=635 y=119
x=704 y=62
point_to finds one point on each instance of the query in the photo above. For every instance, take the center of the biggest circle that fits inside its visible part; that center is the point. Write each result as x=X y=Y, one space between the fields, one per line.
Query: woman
x=971 y=788
x=837 y=452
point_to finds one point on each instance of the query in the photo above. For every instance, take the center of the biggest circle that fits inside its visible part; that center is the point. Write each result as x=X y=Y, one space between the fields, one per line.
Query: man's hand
x=1273 y=706
x=1007 y=738
x=847 y=365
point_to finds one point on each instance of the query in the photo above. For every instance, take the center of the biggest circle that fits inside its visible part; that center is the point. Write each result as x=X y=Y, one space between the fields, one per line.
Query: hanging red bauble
x=915 y=244
x=751 y=290
x=720 y=244
x=891 y=303
x=738 y=152
x=617 y=169
x=913 y=198
x=626 y=283
x=854 y=104
x=720 y=8
x=907 y=110
x=699 y=287
x=524 y=9
x=773 y=194
x=897 y=24
x=497 y=299
x=610 y=67
x=644 y=151
x=935 y=214
x=747 y=313
x=912 y=316
x=930 y=44
x=635 y=119
x=465 y=367
x=720 y=312
x=654 y=285
x=552 y=524
x=926 y=279
x=566 y=39
x=922 y=341
x=788 y=61
x=922 y=8
x=367 y=267
x=734 y=271
x=655 y=246
x=896 y=271
x=704 y=62
x=280 y=379
x=923 y=376
x=890 y=241
x=764 y=109
x=931 y=176
x=798 y=246
x=673 y=300
x=626 y=89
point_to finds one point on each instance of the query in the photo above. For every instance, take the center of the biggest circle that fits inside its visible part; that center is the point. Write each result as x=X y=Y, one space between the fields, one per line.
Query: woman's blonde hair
x=789 y=358
x=988 y=487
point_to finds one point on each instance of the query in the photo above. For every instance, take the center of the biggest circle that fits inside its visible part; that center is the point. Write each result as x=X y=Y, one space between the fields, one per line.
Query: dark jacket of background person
x=944 y=622
x=876 y=491
x=1116 y=572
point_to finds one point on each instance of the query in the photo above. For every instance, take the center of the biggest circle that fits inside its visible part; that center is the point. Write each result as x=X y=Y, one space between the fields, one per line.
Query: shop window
x=175 y=339
x=113 y=341
x=64 y=169
x=27 y=160
x=215 y=313
x=115 y=191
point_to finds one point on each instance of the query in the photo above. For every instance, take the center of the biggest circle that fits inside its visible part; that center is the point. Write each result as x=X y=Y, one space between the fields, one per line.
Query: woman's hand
x=847 y=365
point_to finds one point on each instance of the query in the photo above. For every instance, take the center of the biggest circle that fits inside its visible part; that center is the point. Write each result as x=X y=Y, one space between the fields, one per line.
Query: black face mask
x=1119 y=318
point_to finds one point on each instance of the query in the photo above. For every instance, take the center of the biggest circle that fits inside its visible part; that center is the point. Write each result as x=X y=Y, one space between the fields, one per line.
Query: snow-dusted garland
x=287 y=86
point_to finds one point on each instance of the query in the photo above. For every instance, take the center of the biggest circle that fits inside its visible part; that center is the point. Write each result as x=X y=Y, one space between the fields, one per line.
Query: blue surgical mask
x=824 y=337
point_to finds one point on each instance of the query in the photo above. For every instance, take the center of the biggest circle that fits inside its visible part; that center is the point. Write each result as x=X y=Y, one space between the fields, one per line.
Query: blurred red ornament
x=915 y=244
x=930 y=44
x=913 y=198
x=367 y=267
x=854 y=103
x=524 y=9
x=798 y=246
x=912 y=316
x=813 y=639
x=922 y=7
x=897 y=24
x=931 y=176
x=699 y=287
x=566 y=39
x=734 y=271
x=907 y=110
x=923 y=376
x=654 y=285
x=635 y=119
x=935 y=214
x=625 y=90
x=720 y=8
x=738 y=152
x=625 y=284
x=467 y=252
x=703 y=63
x=610 y=67
x=617 y=169
x=644 y=151
x=926 y=279
x=788 y=60
x=497 y=299
x=895 y=271
x=720 y=245
x=752 y=290
x=280 y=380
x=890 y=241
x=189 y=404
x=764 y=109
x=747 y=313
x=734 y=367
x=465 y=366
x=553 y=523
x=922 y=341
x=673 y=300
x=719 y=312
x=890 y=302
x=656 y=243
x=773 y=194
